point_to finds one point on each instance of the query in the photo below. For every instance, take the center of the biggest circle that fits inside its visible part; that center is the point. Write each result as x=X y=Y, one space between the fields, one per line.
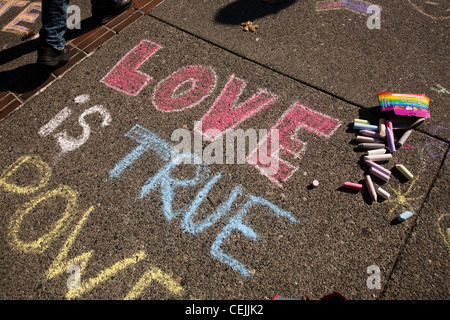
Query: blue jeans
x=54 y=21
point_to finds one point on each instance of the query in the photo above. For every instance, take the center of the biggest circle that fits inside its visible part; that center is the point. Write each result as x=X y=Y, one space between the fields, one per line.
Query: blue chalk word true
x=168 y=185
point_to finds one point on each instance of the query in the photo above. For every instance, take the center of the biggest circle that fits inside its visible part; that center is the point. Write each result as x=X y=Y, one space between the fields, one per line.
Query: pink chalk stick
x=389 y=125
x=351 y=185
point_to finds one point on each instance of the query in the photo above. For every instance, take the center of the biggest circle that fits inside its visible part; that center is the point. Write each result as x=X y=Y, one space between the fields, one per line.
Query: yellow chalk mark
x=154 y=273
x=42 y=243
x=401 y=200
x=26 y=16
x=104 y=275
x=11 y=3
x=445 y=235
x=44 y=170
x=61 y=263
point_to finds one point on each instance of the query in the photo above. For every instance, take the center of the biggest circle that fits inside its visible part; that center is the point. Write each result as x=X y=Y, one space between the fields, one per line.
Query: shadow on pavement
x=243 y=10
x=28 y=77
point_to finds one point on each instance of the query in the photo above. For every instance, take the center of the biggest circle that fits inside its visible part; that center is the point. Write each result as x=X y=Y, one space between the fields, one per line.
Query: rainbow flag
x=405 y=104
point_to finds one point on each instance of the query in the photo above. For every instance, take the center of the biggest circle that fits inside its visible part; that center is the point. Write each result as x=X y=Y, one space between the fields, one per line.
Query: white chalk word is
x=374 y=280
x=189 y=86
x=374 y=21
x=74 y=281
x=64 y=140
x=73 y=17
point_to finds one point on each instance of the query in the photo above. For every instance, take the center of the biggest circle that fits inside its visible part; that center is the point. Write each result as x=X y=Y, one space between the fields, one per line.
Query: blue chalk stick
x=405 y=215
x=362 y=126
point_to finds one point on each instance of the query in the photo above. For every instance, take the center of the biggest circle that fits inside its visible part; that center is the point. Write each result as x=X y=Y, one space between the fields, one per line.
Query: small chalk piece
x=362 y=121
x=390 y=139
x=370 y=187
x=379 y=157
x=370 y=133
x=404 y=171
x=378 y=167
x=363 y=126
x=405 y=215
x=367 y=139
x=379 y=174
x=371 y=145
x=403 y=139
x=382 y=127
x=383 y=193
x=354 y=186
x=376 y=151
x=315 y=183
x=389 y=125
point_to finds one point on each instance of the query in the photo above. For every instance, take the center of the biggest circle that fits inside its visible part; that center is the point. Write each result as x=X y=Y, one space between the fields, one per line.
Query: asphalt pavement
x=96 y=206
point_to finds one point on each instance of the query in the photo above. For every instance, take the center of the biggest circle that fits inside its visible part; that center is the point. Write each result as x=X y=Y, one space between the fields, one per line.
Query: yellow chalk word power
x=67 y=219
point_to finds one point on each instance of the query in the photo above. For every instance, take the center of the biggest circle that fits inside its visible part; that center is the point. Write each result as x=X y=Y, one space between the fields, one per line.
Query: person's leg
x=54 y=23
x=105 y=10
x=52 y=49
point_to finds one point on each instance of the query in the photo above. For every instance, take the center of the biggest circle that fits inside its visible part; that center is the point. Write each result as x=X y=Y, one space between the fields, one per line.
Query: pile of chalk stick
x=380 y=143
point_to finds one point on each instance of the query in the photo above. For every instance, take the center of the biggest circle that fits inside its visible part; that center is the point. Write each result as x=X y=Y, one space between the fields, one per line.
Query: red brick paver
x=38 y=78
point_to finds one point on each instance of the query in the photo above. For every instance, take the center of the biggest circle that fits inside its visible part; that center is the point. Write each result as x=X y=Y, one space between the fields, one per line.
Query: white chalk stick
x=403 y=138
x=383 y=193
x=376 y=151
x=379 y=157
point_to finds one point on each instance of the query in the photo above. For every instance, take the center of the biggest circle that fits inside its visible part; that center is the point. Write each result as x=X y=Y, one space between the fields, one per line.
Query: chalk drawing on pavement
x=443 y=225
x=189 y=86
x=66 y=142
x=435 y=9
x=359 y=7
x=124 y=76
x=225 y=114
x=169 y=186
x=171 y=94
x=28 y=15
x=68 y=218
x=297 y=117
x=401 y=201
x=440 y=89
x=436 y=148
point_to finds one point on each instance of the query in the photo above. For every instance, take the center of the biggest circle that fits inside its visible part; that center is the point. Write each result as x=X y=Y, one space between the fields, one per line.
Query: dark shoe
x=51 y=57
x=101 y=14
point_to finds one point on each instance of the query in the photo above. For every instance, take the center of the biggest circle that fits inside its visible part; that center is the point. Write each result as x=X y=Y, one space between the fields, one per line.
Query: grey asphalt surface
x=331 y=63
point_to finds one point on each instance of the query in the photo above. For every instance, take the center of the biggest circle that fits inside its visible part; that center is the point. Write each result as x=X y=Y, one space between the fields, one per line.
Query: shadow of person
x=30 y=76
x=243 y=10
x=27 y=47
x=24 y=78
